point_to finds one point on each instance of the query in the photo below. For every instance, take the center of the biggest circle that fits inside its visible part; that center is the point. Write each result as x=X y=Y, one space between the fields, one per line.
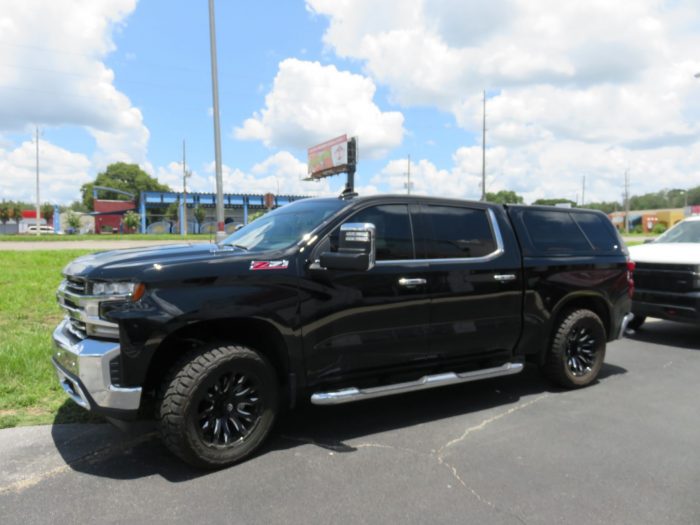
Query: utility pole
x=627 y=200
x=220 y=233
x=185 y=174
x=583 y=191
x=38 y=203
x=483 y=154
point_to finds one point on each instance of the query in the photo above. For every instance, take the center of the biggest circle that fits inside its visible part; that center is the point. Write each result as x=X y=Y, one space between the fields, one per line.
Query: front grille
x=82 y=310
x=77 y=328
x=674 y=278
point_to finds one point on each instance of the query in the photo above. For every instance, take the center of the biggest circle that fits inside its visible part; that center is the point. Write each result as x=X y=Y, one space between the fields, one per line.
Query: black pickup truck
x=335 y=300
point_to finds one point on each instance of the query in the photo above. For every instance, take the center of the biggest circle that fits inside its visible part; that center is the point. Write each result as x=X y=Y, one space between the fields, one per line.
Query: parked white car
x=43 y=228
x=667 y=275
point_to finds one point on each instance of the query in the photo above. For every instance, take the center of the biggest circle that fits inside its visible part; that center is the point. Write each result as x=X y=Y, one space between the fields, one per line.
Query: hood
x=666 y=253
x=131 y=263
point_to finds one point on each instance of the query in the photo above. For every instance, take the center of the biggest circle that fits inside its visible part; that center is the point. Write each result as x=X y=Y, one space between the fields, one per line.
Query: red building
x=31 y=214
x=108 y=214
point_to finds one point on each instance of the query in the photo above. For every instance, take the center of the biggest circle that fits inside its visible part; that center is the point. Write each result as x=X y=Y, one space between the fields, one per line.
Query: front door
x=359 y=325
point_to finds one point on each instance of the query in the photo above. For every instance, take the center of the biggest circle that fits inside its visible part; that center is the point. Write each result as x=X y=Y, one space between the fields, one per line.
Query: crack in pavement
x=438 y=455
x=91 y=457
x=339 y=446
x=488 y=421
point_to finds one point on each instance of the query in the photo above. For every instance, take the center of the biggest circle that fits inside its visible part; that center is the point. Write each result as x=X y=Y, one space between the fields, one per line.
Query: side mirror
x=356 y=250
x=647 y=241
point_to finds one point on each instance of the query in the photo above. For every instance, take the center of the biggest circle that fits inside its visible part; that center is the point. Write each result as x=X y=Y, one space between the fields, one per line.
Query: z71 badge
x=269 y=265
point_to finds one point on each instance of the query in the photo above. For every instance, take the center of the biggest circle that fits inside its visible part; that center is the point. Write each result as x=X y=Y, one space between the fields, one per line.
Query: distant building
x=647 y=219
x=29 y=219
x=109 y=213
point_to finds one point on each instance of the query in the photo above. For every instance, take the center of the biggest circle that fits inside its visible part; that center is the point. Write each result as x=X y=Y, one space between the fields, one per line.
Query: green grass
x=111 y=237
x=29 y=391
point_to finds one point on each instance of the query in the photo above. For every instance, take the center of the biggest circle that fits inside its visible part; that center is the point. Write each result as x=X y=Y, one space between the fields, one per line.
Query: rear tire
x=218 y=406
x=637 y=322
x=578 y=349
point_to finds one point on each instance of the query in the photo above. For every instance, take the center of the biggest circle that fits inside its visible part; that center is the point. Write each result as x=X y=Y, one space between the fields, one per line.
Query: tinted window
x=459 y=232
x=393 y=226
x=554 y=232
x=598 y=230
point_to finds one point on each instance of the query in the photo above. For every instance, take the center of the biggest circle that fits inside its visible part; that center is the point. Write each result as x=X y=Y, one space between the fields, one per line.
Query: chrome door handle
x=411 y=282
x=503 y=277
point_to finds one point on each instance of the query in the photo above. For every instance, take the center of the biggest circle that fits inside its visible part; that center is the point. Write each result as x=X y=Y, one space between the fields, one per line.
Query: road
x=504 y=451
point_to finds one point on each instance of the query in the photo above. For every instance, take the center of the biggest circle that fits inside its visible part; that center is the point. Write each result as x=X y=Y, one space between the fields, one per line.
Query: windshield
x=285 y=226
x=686 y=231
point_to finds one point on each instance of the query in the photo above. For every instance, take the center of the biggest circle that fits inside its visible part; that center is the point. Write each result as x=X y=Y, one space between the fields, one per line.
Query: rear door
x=361 y=325
x=476 y=283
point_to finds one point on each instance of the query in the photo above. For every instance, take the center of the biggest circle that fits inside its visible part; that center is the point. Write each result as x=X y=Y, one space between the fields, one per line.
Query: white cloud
x=548 y=169
x=310 y=103
x=61 y=173
x=575 y=88
x=459 y=181
x=52 y=73
x=280 y=171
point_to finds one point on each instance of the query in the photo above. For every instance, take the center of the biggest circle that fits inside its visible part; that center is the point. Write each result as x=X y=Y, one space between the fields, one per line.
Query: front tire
x=218 y=406
x=577 y=351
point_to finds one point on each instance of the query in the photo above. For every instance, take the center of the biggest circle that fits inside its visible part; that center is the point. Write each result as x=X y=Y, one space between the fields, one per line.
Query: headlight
x=113 y=289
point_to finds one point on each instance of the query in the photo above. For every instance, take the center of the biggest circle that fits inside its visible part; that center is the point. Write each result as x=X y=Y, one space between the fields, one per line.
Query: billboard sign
x=328 y=158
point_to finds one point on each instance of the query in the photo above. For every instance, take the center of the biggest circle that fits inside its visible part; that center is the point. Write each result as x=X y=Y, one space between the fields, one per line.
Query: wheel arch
x=586 y=301
x=257 y=334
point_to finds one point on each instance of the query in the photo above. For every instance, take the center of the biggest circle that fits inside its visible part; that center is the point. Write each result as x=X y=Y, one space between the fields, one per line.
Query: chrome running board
x=346 y=395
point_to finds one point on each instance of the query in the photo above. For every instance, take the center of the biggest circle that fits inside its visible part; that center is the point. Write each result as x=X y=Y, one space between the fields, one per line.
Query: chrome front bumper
x=83 y=370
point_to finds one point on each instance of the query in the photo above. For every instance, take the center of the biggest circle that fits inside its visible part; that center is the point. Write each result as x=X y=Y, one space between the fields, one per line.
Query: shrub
x=659 y=228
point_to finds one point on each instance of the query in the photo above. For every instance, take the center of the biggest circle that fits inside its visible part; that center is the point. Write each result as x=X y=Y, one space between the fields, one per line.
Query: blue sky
x=573 y=90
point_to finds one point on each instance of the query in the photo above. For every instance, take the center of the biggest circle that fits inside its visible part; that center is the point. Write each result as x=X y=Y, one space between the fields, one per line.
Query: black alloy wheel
x=580 y=351
x=229 y=409
x=577 y=350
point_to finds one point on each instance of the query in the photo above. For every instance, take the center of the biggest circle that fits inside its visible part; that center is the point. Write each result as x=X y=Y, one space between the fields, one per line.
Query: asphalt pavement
x=505 y=451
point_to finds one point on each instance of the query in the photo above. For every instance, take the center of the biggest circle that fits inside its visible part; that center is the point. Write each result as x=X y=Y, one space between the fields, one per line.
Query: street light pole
x=185 y=174
x=220 y=233
x=38 y=202
x=483 y=153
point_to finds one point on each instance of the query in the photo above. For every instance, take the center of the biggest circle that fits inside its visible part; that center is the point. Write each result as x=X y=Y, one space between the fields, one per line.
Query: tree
x=4 y=213
x=553 y=202
x=199 y=216
x=131 y=220
x=78 y=206
x=15 y=212
x=256 y=215
x=504 y=197
x=73 y=220
x=605 y=207
x=121 y=176
x=46 y=211
x=172 y=212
